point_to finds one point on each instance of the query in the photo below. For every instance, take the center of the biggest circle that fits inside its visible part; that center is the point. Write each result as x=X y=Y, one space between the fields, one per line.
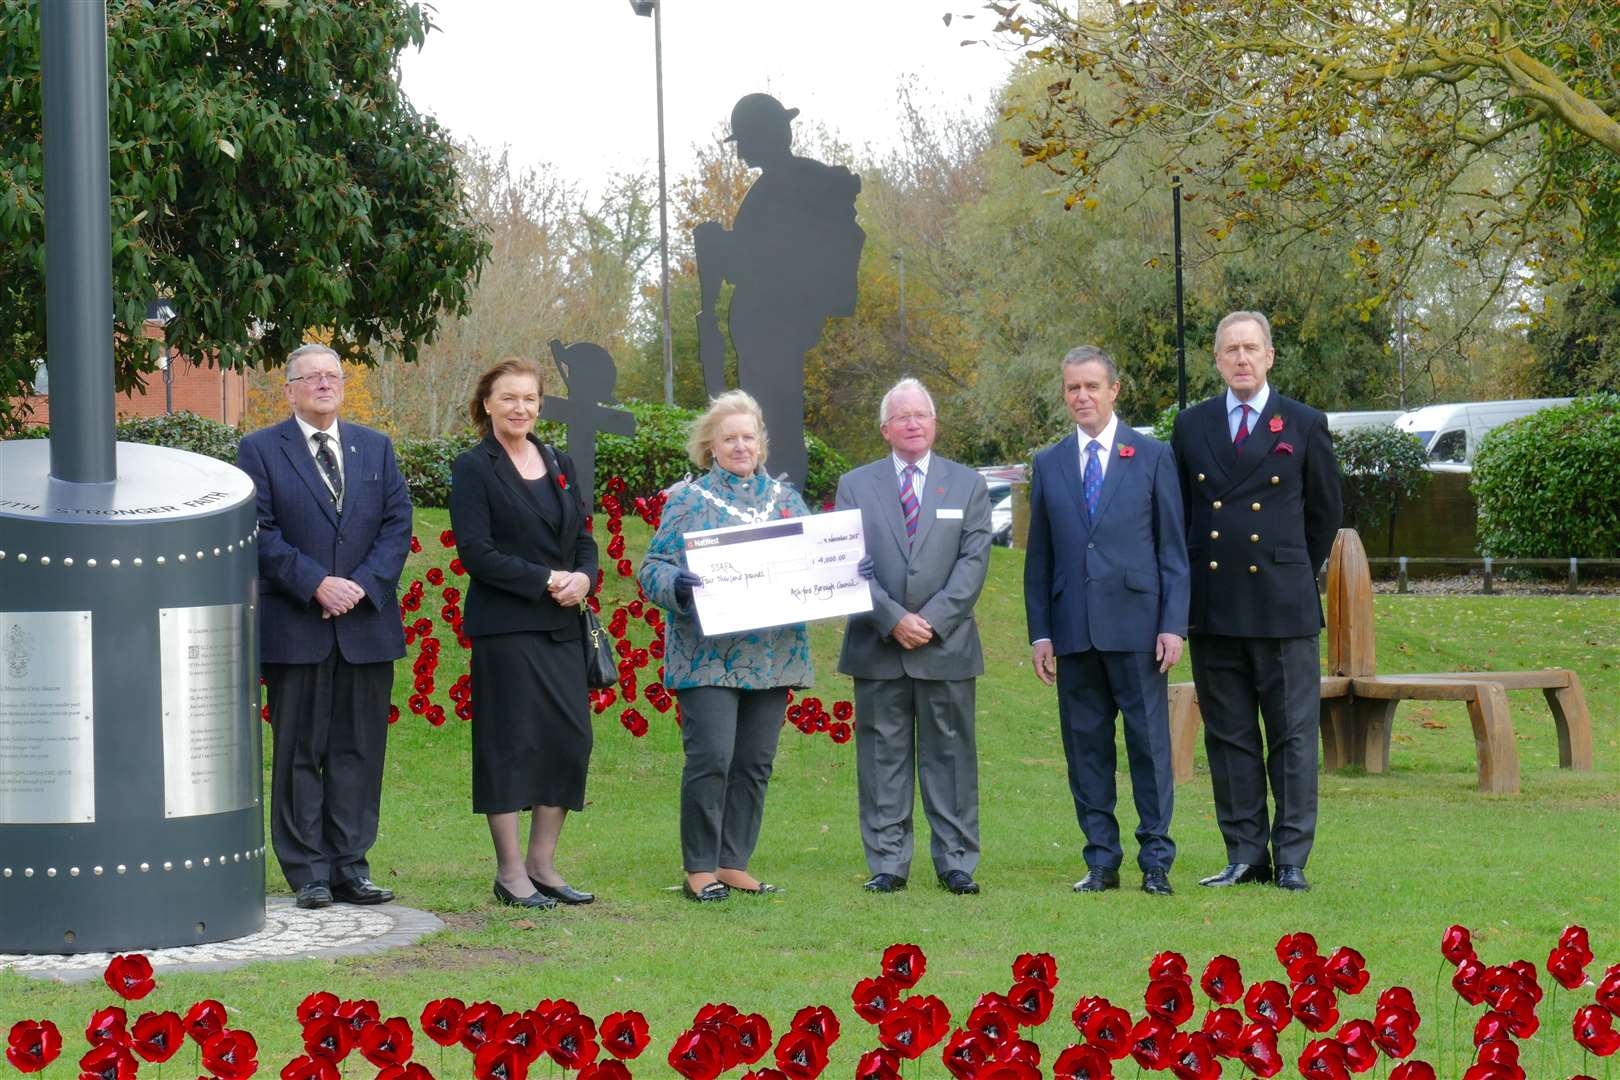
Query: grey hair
x=1255 y=317
x=312 y=349
x=1091 y=354
x=904 y=386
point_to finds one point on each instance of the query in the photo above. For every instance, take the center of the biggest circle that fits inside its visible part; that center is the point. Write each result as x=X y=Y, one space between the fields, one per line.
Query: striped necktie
x=329 y=466
x=1242 y=435
x=910 y=507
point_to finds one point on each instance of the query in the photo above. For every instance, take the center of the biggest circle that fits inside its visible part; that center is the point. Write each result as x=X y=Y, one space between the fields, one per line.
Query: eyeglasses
x=324 y=378
x=911 y=418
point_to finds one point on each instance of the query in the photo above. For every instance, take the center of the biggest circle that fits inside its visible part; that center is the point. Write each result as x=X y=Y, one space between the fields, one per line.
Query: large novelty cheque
x=779 y=572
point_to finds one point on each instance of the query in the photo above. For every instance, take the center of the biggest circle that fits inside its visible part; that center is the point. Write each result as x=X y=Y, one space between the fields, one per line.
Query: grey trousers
x=730 y=738
x=1261 y=700
x=922 y=728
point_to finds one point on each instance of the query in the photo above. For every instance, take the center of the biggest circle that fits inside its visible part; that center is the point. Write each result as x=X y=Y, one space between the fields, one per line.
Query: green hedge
x=1546 y=484
x=1382 y=468
x=181 y=430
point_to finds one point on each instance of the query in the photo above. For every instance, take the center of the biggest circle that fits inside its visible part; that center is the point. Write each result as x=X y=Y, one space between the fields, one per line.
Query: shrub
x=425 y=464
x=1546 y=483
x=1382 y=467
x=184 y=431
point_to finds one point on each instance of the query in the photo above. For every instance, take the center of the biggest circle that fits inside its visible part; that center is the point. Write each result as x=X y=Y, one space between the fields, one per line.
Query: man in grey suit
x=914 y=657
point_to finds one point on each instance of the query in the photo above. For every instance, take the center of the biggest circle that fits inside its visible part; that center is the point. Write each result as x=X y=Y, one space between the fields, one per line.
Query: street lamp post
x=655 y=9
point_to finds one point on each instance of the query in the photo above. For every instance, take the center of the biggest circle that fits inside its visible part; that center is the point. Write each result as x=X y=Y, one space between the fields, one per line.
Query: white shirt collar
x=1105 y=437
x=310 y=429
x=921 y=464
x=1257 y=403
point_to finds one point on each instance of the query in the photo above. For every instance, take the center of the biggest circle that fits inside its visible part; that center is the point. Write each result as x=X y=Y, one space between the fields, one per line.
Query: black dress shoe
x=713 y=891
x=565 y=892
x=360 y=890
x=1292 y=878
x=1098 y=879
x=533 y=900
x=1239 y=874
x=317 y=894
x=1157 y=883
x=959 y=882
x=885 y=883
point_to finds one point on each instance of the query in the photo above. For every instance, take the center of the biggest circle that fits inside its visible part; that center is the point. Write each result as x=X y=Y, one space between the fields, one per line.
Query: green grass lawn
x=1398 y=858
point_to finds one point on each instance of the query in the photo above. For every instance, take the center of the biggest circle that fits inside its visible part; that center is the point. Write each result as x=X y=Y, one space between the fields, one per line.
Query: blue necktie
x=1093 y=479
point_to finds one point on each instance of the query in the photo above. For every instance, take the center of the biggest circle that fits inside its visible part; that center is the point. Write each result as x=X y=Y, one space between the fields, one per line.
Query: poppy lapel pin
x=1276 y=423
x=1126 y=450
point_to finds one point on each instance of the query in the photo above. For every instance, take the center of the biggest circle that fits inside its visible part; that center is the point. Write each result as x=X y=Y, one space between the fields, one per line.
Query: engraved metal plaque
x=208 y=766
x=47 y=724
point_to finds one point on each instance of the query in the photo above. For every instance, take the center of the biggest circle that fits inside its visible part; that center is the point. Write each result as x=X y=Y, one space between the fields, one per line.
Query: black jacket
x=509 y=548
x=1259 y=523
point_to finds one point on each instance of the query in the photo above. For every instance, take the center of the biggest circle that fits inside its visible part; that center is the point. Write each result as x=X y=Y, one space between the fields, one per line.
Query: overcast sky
x=570 y=82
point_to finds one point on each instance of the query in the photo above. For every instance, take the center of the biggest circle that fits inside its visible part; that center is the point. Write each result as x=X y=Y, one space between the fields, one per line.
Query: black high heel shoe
x=564 y=893
x=533 y=900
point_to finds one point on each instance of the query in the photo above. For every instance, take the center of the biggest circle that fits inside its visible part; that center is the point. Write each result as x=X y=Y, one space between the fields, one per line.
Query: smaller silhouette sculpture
x=590 y=374
x=792 y=255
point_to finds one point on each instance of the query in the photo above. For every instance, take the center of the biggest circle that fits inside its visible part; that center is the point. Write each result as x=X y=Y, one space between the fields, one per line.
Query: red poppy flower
x=936 y=1016
x=802 y=1055
x=387 y=1042
x=1493 y=1025
x=1109 y=1030
x=844 y=711
x=1081 y=1062
x=108 y=1061
x=1019 y=1050
x=312 y=1068
x=1316 y=1007
x=448 y=538
x=995 y=1021
x=500 y=1061
x=1224 y=1026
x=1308 y=971
x=878 y=1064
x=156 y=1036
x=1498 y=1052
x=874 y=998
x=107 y=1026
x=1520 y=1010
x=416 y=545
x=1222 y=980
x=766 y=1073
x=905 y=1031
x=434 y=576
x=624 y=1034
x=1150 y=1043
x=477 y=1023
x=328 y=1038
x=571 y=1042
x=840 y=733
x=1324 y=1059
x=1038 y=966
x=1348 y=970
x=1169 y=965
x=1608 y=991
x=1468 y=981
x=1492 y=1072
x=1257 y=1049
x=1412 y=1070
x=1083 y=1008
x=231 y=1055
x=1566 y=966
x=1170 y=1000
x=753 y=1037
x=696 y=1054
x=1594 y=1030
x=456 y=568
x=606 y=1069
x=1192 y=1057
x=1394 y=1031
x=32 y=1045
x=1527 y=978
x=1276 y=424
x=1356 y=1037
x=1268 y=1001
x=205 y=1019
x=1456 y=944
x=1126 y=450
x=624 y=568
x=904 y=964
x=1291 y=947
x=818 y=1020
x=966 y=1051
x=1400 y=997
x=1031 y=1002
x=130 y=977
x=1576 y=938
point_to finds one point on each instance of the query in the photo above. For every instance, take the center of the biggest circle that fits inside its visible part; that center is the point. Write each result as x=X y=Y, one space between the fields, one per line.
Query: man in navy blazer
x=334 y=531
x=1106 y=592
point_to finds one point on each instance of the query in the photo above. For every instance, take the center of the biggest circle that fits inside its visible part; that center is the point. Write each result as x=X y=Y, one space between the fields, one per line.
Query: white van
x=1452 y=433
x=1349 y=421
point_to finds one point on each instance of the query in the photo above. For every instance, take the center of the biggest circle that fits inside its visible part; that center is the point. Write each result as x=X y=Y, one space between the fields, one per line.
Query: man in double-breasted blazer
x=915 y=656
x=1262 y=493
x=334 y=531
x=1105 y=592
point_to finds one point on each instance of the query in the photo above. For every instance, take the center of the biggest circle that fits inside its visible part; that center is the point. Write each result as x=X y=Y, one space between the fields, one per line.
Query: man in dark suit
x=1105 y=592
x=1262 y=495
x=334 y=530
x=915 y=656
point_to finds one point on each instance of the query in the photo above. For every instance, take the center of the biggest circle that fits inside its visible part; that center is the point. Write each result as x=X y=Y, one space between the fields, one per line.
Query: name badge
x=948 y=515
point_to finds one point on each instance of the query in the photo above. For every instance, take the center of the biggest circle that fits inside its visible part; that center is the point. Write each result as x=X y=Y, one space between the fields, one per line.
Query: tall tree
x=268 y=177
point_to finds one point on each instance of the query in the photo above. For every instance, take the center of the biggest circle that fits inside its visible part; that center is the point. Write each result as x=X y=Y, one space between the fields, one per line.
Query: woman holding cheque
x=733 y=688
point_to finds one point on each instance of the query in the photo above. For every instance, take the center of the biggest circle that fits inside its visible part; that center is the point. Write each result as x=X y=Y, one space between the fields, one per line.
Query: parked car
x=1349 y=421
x=1001 y=517
x=1452 y=433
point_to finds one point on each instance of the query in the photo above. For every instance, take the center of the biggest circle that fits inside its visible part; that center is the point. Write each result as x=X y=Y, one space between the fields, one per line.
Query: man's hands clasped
x=337 y=596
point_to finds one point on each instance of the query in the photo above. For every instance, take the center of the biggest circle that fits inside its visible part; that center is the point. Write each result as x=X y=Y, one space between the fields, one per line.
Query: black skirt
x=531 y=722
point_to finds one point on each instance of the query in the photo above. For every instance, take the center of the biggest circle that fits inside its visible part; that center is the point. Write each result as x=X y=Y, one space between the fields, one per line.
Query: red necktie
x=1242 y=435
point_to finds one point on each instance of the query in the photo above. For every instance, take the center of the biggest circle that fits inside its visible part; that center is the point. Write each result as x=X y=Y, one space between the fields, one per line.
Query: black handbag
x=601 y=670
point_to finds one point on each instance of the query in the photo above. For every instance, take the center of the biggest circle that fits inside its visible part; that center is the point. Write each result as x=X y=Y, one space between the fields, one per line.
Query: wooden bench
x=1358 y=705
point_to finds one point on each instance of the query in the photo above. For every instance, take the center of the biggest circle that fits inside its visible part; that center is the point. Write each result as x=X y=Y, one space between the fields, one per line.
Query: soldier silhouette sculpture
x=791 y=255
x=590 y=374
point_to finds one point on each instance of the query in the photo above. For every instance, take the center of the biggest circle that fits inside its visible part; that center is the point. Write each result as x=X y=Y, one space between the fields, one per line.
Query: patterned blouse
x=753 y=659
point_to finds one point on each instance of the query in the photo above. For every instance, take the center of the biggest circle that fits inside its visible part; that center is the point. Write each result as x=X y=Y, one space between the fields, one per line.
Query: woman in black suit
x=519 y=521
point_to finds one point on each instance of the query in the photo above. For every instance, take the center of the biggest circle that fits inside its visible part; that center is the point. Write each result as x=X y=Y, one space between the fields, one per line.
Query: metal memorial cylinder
x=130 y=753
